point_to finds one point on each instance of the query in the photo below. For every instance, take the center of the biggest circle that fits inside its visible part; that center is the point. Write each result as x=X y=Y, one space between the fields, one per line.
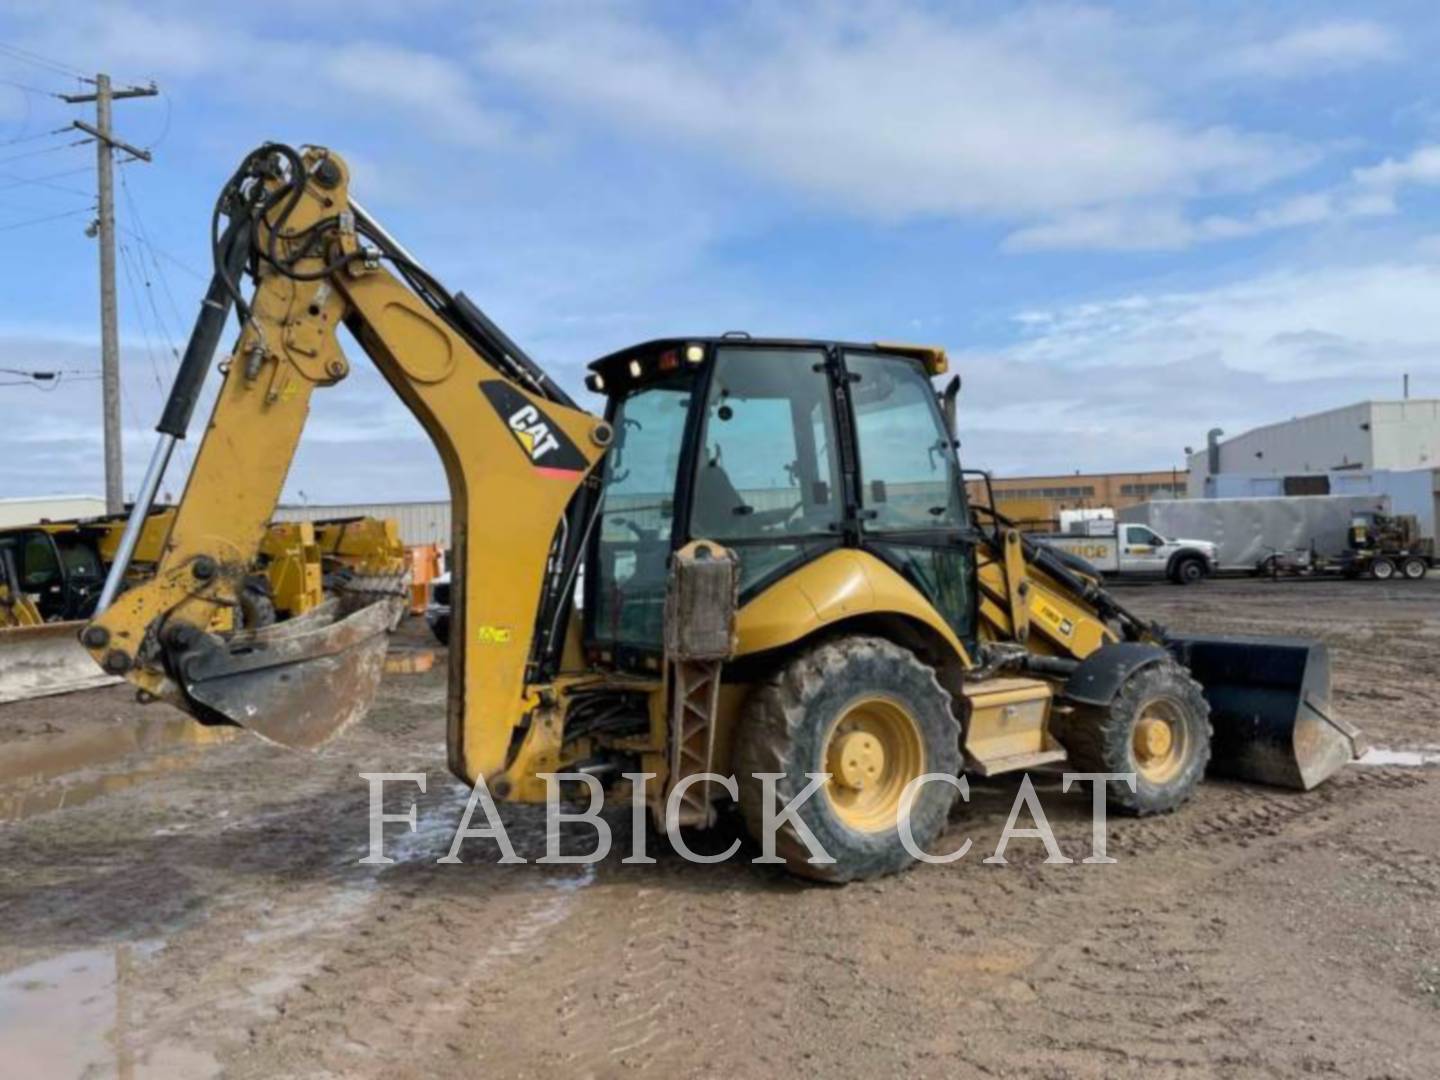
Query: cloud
x=262 y=65
x=1370 y=191
x=887 y=112
x=1327 y=46
x=1126 y=382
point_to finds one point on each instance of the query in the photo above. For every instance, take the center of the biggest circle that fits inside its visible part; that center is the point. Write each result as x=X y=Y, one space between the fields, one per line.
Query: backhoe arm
x=515 y=452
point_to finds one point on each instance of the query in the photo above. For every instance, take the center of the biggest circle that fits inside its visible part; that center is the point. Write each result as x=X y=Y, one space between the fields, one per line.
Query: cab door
x=912 y=511
x=41 y=573
x=1141 y=549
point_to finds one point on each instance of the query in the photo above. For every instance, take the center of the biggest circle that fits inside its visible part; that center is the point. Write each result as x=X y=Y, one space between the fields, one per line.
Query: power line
x=29 y=89
x=34 y=58
x=32 y=137
x=145 y=246
x=44 y=150
x=155 y=250
x=50 y=217
x=48 y=381
x=45 y=182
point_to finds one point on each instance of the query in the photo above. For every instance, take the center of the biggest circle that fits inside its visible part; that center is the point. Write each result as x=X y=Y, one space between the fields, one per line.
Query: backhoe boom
x=514 y=448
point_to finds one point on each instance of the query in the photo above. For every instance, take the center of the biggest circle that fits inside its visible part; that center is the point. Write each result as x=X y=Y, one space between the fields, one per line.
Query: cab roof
x=932 y=356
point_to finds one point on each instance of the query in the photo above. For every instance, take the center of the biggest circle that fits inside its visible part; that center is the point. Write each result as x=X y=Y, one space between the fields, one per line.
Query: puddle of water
x=73 y=769
x=1380 y=755
x=23 y=802
x=72 y=1015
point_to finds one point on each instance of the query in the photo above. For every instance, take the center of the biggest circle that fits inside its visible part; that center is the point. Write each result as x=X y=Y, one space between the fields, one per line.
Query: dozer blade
x=36 y=661
x=1270 y=709
x=298 y=683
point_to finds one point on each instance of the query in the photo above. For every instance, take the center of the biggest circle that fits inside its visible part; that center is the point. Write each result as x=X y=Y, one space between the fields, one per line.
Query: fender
x=1186 y=553
x=1101 y=674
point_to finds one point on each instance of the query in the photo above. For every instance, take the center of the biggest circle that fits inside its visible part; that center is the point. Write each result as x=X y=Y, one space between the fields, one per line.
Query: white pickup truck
x=1127 y=550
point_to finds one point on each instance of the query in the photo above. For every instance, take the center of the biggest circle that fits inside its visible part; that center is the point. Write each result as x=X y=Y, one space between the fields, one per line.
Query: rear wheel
x=1382 y=569
x=1414 y=568
x=1157 y=727
x=871 y=715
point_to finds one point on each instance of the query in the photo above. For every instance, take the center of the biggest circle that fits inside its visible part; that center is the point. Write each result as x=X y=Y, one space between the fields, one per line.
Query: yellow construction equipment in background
x=782 y=575
x=54 y=571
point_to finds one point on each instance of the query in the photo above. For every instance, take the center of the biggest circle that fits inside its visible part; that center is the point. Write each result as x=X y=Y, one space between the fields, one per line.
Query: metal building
x=28 y=510
x=1379 y=448
x=419 y=522
x=1370 y=435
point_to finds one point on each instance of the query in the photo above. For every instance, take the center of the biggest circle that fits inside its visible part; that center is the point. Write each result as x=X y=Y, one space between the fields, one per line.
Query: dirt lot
x=212 y=918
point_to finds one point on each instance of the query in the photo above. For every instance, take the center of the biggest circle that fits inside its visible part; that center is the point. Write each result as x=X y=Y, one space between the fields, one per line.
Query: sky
x=1127 y=223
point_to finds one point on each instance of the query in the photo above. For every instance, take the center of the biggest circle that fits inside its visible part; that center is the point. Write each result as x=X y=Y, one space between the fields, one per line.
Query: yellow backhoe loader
x=781 y=572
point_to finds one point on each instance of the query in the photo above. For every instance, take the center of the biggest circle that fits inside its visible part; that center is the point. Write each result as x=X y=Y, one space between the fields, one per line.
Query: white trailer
x=1245 y=532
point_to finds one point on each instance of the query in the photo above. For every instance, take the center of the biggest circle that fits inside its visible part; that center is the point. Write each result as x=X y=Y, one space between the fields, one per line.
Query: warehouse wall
x=419 y=522
x=27 y=511
x=1406 y=434
x=1411 y=491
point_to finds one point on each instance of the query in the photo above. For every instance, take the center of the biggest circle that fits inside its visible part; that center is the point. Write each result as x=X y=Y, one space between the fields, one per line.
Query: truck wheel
x=1414 y=567
x=870 y=714
x=1158 y=727
x=1189 y=571
x=1382 y=569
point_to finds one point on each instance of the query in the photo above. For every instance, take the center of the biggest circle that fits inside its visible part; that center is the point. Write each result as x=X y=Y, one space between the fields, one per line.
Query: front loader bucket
x=298 y=683
x=1270 y=708
x=36 y=661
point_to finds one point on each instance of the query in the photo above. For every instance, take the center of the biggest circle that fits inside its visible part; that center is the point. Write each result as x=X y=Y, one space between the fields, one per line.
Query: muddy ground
x=212 y=918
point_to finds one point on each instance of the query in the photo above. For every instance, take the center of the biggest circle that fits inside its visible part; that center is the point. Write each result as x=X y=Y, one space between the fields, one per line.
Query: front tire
x=1157 y=727
x=1382 y=569
x=1189 y=571
x=870 y=714
x=1414 y=568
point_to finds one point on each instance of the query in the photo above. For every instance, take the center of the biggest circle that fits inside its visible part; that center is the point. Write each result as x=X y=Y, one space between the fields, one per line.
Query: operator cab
x=782 y=450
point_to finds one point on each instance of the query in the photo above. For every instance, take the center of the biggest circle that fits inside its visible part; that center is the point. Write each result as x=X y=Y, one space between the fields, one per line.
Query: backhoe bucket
x=1270 y=709
x=36 y=661
x=298 y=683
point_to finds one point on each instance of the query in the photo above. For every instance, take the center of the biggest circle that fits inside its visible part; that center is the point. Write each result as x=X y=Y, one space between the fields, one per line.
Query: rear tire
x=857 y=707
x=1382 y=569
x=1158 y=727
x=1414 y=568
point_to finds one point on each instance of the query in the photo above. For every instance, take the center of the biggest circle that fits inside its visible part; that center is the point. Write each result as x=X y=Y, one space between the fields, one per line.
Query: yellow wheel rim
x=1159 y=741
x=872 y=751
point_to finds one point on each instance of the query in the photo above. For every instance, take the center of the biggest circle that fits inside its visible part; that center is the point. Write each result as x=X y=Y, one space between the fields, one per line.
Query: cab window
x=79 y=558
x=39 y=565
x=633 y=538
x=766 y=468
x=909 y=476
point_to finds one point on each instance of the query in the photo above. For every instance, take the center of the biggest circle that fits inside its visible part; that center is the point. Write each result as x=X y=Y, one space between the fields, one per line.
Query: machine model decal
x=544 y=443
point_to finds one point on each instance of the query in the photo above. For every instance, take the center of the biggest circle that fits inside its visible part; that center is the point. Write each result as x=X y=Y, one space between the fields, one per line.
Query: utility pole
x=105 y=144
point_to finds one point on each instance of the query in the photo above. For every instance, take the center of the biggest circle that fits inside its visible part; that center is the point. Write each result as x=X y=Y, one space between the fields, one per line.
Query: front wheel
x=1414 y=568
x=868 y=713
x=1157 y=727
x=1189 y=572
x=1382 y=569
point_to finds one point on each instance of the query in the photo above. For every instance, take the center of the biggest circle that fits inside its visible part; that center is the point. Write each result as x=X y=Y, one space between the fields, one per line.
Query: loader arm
x=515 y=452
